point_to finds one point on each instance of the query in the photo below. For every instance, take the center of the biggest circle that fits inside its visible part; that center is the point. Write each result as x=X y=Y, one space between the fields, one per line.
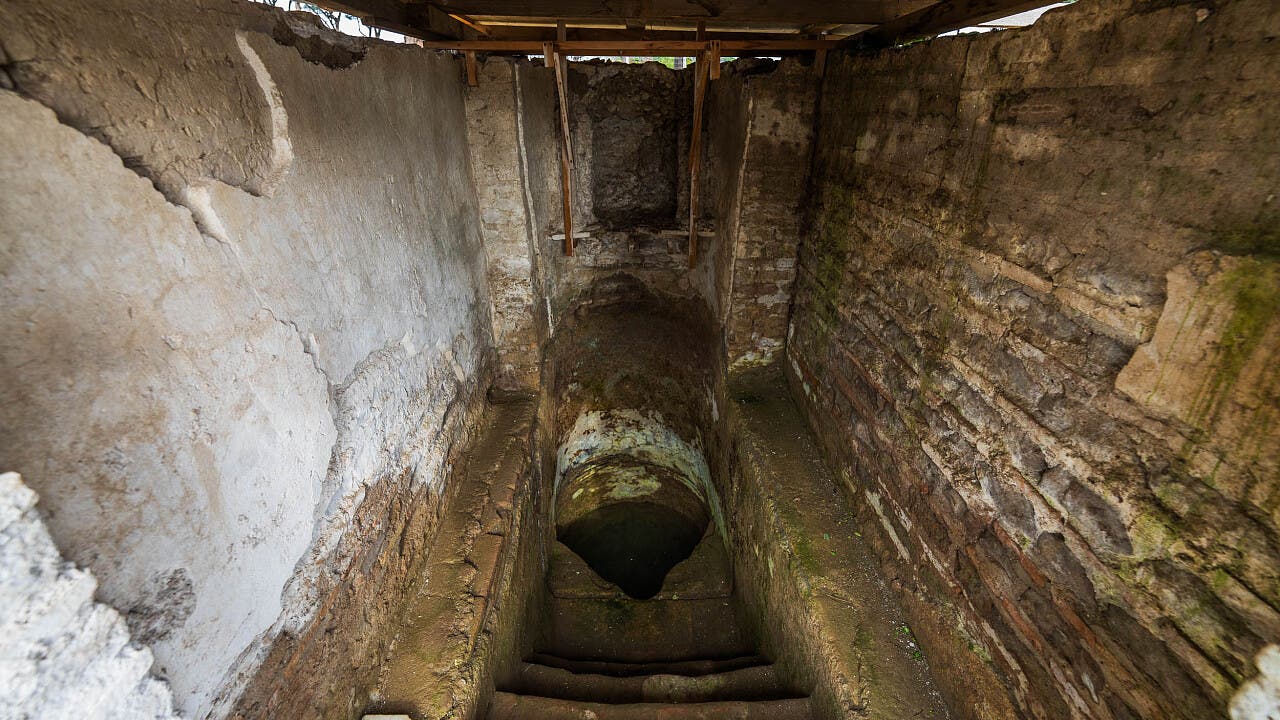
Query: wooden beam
x=802 y=12
x=472 y=74
x=531 y=33
x=940 y=18
x=474 y=26
x=566 y=152
x=636 y=47
x=713 y=60
x=700 y=79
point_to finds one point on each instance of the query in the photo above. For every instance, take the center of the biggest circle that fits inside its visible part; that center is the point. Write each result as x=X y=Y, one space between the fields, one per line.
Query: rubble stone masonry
x=1035 y=328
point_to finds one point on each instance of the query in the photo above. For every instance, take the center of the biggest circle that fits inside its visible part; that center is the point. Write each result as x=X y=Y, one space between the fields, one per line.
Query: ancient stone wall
x=763 y=226
x=630 y=127
x=1036 y=327
x=246 y=323
x=512 y=238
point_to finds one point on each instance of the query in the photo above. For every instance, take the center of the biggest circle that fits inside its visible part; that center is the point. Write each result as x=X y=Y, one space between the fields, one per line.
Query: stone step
x=760 y=682
x=632 y=630
x=509 y=706
x=701 y=666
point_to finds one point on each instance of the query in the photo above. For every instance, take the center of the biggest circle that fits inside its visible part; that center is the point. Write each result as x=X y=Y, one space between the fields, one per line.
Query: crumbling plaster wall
x=63 y=654
x=1036 y=327
x=236 y=395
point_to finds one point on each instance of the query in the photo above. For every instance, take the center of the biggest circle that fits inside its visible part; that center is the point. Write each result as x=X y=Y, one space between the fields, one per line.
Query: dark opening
x=633 y=544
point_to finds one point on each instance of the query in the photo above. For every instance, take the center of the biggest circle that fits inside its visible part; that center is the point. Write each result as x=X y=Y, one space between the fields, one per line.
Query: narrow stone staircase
x=746 y=687
x=679 y=655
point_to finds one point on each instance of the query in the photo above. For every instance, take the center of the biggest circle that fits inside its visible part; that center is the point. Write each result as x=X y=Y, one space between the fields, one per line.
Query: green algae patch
x=1254 y=292
x=1257 y=240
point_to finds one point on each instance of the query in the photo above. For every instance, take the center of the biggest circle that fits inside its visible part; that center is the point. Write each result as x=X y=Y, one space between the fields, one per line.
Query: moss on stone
x=1257 y=239
x=803 y=549
x=1254 y=285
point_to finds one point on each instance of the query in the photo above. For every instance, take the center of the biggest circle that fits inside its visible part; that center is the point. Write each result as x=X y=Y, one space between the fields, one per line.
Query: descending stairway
x=612 y=657
x=742 y=687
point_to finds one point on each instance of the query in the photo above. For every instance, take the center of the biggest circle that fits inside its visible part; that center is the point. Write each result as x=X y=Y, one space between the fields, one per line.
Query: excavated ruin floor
x=833 y=591
x=835 y=643
x=431 y=671
x=698 y=657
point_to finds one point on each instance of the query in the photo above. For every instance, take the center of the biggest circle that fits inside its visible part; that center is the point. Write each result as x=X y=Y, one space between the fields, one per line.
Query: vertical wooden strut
x=566 y=154
x=700 y=78
x=472 y=79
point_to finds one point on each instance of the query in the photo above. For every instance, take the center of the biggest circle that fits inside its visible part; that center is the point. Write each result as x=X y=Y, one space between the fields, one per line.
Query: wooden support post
x=713 y=60
x=566 y=151
x=700 y=79
x=562 y=31
x=819 y=63
x=472 y=75
x=548 y=55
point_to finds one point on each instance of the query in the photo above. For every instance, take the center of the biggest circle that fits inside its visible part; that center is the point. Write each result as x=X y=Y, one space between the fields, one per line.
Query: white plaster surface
x=201 y=413
x=62 y=655
x=1259 y=698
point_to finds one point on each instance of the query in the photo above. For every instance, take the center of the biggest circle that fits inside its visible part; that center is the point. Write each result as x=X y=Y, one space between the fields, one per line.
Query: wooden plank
x=472 y=73
x=473 y=25
x=701 y=77
x=636 y=47
x=943 y=17
x=566 y=152
x=802 y=12
x=605 y=36
x=548 y=55
x=713 y=60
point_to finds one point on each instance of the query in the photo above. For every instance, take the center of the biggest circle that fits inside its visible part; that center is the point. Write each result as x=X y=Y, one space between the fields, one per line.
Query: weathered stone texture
x=240 y=424
x=510 y=238
x=64 y=655
x=628 y=147
x=1035 y=327
x=808 y=574
x=755 y=159
x=764 y=225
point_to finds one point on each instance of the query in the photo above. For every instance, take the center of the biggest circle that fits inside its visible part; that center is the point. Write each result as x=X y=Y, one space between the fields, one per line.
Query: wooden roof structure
x=705 y=29
x=671 y=27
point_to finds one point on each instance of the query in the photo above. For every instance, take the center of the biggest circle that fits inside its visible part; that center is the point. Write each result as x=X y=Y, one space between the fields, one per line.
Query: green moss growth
x=803 y=550
x=1260 y=240
x=1255 y=287
x=830 y=254
x=981 y=652
x=1219 y=580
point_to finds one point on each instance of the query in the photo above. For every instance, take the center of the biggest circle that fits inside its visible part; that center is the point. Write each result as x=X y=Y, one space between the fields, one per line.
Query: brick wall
x=1035 y=326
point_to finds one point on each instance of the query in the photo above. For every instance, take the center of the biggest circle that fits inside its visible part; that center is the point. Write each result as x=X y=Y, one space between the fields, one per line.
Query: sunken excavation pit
x=905 y=376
